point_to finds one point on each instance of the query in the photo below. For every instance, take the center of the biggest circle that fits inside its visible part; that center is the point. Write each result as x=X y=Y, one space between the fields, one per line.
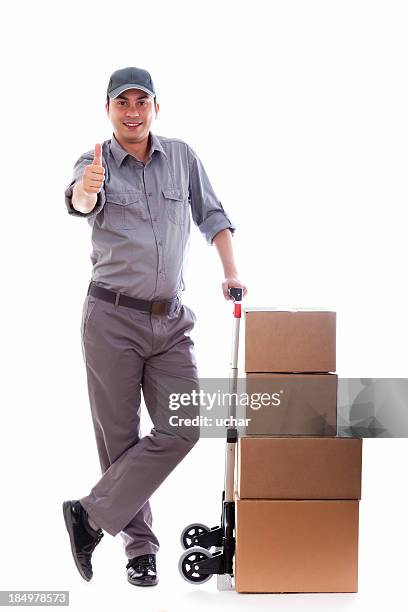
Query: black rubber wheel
x=192 y=531
x=187 y=565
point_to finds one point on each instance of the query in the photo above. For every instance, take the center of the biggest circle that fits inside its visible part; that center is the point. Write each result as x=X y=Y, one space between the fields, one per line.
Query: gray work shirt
x=141 y=220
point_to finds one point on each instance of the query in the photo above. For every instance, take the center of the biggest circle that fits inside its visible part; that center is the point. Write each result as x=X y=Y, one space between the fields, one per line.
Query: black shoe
x=141 y=570
x=83 y=538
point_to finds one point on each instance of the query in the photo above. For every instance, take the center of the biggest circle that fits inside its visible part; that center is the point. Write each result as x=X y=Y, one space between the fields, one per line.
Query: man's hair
x=108 y=99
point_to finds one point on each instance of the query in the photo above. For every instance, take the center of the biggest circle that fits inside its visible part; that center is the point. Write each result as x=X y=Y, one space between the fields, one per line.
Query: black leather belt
x=160 y=307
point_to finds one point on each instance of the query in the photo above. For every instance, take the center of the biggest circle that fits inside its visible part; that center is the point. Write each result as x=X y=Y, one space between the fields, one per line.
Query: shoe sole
x=140 y=584
x=66 y=508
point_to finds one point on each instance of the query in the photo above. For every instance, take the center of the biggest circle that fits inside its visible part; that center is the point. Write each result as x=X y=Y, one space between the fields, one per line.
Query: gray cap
x=130 y=78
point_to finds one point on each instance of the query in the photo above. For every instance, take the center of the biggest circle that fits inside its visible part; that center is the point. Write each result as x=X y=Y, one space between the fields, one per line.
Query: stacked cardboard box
x=292 y=353
x=298 y=486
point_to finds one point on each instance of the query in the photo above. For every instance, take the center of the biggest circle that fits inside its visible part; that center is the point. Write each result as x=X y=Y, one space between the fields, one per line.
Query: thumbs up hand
x=94 y=173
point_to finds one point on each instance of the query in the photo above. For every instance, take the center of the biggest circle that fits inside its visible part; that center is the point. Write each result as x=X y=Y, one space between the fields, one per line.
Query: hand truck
x=197 y=564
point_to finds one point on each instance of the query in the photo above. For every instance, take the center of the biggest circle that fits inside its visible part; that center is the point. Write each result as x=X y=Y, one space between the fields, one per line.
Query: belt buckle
x=158 y=308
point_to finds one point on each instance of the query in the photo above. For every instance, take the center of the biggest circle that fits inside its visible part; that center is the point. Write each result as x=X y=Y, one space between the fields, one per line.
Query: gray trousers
x=127 y=351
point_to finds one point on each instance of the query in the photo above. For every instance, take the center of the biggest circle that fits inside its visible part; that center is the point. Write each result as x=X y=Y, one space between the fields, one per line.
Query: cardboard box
x=296 y=546
x=301 y=340
x=299 y=468
x=291 y=404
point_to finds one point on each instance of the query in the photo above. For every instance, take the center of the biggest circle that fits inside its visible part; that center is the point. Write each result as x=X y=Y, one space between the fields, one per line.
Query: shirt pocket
x=175 y=203
x=125 y=209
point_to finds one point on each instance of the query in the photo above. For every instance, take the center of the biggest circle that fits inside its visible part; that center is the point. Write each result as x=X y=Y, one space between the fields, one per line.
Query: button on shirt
x=141 y=220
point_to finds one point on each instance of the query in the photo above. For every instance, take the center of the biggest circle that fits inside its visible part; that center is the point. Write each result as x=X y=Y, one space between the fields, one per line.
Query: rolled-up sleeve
x=207 y=211
x=79 y=167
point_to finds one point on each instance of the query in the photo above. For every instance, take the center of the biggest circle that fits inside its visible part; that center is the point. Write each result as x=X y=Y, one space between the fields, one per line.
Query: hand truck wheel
x=187 y=566
x=190 y=533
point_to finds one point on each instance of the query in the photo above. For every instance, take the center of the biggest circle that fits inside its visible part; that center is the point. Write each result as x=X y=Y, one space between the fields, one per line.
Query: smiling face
x=131 y=114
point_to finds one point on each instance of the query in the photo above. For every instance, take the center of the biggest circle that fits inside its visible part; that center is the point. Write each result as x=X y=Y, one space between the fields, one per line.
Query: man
x=137 y=191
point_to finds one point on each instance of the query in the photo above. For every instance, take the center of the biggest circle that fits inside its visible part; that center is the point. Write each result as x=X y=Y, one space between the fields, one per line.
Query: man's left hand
x=232 y=281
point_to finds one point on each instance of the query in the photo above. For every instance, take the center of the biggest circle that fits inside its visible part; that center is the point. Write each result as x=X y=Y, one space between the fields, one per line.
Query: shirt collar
x=119 y=153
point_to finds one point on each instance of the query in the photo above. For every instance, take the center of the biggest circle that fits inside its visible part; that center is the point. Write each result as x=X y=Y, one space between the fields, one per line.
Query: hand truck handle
x=235 y=293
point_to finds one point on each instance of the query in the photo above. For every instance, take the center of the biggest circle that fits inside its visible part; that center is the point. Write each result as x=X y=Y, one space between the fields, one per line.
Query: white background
x=298 y=111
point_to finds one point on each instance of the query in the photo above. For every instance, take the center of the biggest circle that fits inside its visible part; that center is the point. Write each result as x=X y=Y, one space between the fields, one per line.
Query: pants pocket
x=88 y=308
